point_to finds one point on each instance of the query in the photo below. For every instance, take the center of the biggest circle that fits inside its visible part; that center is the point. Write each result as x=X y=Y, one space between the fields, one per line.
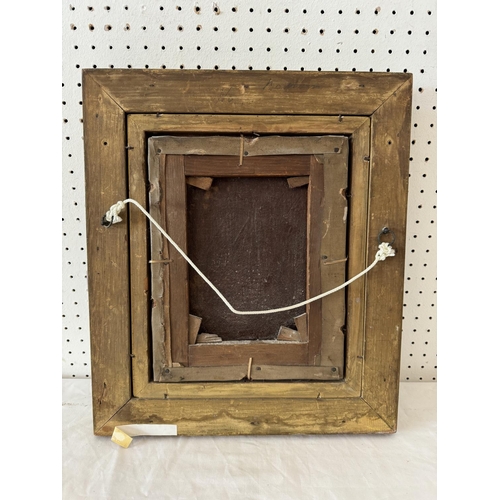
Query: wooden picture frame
x=122 y=108
x=320 y=165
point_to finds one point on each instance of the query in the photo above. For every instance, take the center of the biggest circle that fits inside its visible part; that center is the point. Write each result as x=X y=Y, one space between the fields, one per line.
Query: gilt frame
x=374 y=111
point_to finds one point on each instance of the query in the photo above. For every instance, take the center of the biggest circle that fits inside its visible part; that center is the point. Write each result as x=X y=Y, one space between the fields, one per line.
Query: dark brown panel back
x=248 y=235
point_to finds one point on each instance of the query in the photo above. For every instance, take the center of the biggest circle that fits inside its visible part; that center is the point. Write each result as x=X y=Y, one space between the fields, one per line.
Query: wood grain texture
x=211 y=374
x=254 y=146
x=175 y=210
x=106 y=183
x=344 y=91
x=142 y=125
x=158 y=123
x=388 y=201
x=358 y=260
x=314 y=214
x=334 y=255
x=141 y=290
x=294 y=182
x=252 y=417
x=194 y=328
x=159 y=271
x=204 y=183
x=236 y=353
x=255 y=390
x=248 y=92
x=255 y=166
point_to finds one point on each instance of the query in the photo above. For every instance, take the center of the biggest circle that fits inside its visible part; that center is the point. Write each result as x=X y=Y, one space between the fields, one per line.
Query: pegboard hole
x=304 y=31
x=198 y=28
x=107 y=27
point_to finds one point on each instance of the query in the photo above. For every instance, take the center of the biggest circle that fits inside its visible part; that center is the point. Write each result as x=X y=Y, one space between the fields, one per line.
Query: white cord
x=385 y=250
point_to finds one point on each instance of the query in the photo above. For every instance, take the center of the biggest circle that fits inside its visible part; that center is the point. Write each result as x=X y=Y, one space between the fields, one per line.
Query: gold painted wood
x=379 y=105
x=139 y=126
x=358 y=256
x=390 y=143
x=106 y=182
x=248 y=92
x=264 y=389
x=156 y=124
x=250 y=416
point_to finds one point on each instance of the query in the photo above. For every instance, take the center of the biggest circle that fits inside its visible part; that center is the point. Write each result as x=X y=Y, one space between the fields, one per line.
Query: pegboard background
x=314 y=35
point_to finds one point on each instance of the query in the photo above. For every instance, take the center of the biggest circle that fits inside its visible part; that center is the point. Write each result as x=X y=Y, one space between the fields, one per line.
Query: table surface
x=338 y=467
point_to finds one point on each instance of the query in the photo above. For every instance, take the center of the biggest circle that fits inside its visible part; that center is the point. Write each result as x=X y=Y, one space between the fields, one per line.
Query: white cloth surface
x=339 y=467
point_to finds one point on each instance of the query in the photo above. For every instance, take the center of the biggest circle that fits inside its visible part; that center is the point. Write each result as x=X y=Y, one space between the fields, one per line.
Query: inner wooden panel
x=250 y=235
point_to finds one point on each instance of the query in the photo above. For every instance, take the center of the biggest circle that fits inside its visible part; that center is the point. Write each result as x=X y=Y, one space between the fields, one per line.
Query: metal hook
x=105 y=222
x=386 y=230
